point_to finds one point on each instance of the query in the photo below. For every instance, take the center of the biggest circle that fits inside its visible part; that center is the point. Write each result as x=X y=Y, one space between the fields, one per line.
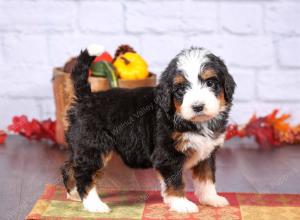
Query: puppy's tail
x=80 y=71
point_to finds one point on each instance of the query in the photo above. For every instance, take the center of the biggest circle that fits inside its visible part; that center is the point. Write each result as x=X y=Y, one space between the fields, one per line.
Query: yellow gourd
x=131 y=66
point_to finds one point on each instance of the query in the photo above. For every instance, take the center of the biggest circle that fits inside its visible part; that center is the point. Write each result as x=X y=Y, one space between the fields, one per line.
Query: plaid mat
x=53 y=204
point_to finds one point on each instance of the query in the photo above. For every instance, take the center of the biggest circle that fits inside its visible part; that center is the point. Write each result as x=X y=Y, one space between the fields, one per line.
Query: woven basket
x=63 y=94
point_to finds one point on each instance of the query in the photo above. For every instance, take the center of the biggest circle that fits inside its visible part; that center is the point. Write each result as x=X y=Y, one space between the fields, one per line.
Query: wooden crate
x=63 y=94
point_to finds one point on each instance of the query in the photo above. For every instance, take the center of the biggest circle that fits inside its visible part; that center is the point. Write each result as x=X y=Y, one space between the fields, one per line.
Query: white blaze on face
x=199 y=95
x=191 y=64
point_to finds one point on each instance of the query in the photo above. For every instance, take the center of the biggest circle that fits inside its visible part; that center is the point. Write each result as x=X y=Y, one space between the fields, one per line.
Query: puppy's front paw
x=215 y=201
x=182 y=205
x=73 y=195
x=93 y=203
x=96 y=207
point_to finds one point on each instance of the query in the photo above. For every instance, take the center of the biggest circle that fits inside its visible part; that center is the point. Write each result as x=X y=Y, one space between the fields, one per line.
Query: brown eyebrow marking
x=208 y=73
x=179 y=79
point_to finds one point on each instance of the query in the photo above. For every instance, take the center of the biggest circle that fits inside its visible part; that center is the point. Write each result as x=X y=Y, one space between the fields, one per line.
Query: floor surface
x=25 y=168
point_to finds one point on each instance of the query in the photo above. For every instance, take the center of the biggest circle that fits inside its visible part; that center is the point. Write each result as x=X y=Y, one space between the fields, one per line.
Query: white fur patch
x=191 y=63
x=181 y=204
x=207 y=194
x=73 y=195
x=203 y=145
x=162 y=189
x=93 y=203
x=200 y=94
x=177 y=204
x=95 y=49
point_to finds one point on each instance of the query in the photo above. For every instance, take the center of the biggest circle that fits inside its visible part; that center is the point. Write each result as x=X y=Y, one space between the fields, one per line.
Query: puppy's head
x=196 y=85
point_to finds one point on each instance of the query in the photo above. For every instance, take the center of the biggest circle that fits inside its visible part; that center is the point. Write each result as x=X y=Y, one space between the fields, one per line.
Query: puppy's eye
x=210 y=83
x=180 y=91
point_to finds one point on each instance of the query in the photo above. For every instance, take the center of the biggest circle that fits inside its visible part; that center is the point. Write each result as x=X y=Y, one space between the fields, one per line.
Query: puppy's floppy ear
x=164 y=89
x=229 y=86
x=163 y=96
x=228 y=82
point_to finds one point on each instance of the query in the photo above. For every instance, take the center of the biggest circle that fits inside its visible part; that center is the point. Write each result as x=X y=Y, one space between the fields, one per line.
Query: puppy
x=173 y=127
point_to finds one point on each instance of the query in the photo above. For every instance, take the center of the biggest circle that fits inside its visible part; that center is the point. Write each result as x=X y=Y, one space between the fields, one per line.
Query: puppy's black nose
x=198 y=107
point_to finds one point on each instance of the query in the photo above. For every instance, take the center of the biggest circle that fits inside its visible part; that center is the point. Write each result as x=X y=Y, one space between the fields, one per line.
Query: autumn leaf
x=34 y=129
x=279 y=123
x=3 y=137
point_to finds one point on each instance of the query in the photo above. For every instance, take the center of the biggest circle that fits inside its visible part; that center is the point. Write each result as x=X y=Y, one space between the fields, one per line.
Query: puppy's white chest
x=202 y=147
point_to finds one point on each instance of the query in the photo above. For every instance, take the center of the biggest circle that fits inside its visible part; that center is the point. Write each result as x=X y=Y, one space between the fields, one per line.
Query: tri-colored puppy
x=173 y=127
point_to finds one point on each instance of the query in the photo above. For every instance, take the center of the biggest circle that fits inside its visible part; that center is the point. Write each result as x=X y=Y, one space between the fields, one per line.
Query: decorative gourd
x=131 y=66
x=105 y=69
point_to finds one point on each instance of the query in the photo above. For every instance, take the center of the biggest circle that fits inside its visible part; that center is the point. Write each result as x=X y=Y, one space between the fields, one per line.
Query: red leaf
x=34 y=129
x=48 y=127
x=3 y=137
x=231 y=131
x=18 y=123
x=262 y=130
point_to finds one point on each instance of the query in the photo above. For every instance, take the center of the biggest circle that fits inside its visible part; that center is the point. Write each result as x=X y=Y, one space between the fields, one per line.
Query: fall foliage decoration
x=126 y=64
x=102 y=67
x=34 y=129
x=105 y=56
x=131 y=66
x=3 y=136
x=269 y=131
x=105 y=69
x=123 y=49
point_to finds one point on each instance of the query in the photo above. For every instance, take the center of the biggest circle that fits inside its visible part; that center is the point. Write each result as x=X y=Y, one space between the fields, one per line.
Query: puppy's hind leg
x=69 y=181
x=88 y=168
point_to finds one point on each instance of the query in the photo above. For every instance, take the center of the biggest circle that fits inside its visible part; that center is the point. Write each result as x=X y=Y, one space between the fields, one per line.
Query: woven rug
x=53 y=204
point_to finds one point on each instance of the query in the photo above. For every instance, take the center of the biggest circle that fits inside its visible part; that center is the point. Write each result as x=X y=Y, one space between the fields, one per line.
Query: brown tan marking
x=106 y=157
x=208 y=73
x=71 y=182
x=180 y=144
x=179 y=141
x=201 y=118
x=179 y=79
x=222 y=99
x=177 y=106
x=99 y=173
x=172 y=191
x=69 y=171
x=202 y=171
